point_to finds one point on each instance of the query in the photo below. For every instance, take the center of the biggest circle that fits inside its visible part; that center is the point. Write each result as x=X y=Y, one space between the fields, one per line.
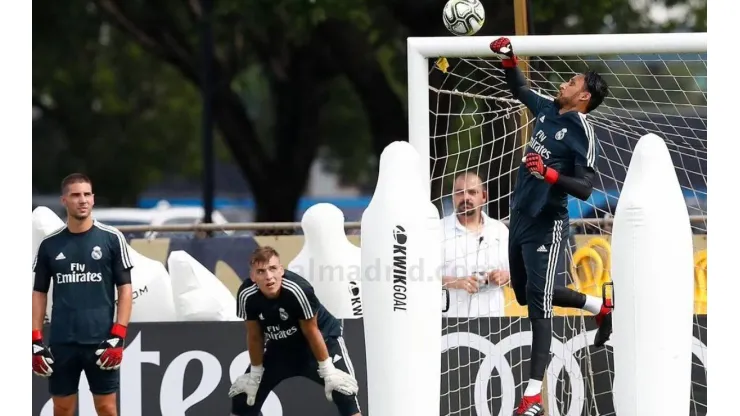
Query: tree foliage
x=106 y=107
x=117 y=83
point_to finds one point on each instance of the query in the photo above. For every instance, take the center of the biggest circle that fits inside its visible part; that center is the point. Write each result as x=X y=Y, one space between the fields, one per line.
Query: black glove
x=41 y=355
x=110 y=351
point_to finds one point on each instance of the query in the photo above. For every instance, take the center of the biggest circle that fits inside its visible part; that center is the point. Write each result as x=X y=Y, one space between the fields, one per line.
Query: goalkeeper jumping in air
x=560 y=161
x=289 y=334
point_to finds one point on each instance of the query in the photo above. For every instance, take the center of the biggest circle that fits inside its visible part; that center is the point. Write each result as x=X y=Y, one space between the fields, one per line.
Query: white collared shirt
x=467 y=253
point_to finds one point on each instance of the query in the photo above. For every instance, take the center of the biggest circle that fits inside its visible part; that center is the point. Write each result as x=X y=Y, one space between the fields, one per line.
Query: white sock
x=593 y=304
x=534 y=387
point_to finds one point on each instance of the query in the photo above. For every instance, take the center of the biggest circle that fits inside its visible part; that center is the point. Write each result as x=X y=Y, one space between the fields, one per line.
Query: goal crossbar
x=561 y=45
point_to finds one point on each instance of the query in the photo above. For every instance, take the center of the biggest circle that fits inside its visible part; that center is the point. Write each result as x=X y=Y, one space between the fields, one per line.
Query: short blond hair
x=263 y=255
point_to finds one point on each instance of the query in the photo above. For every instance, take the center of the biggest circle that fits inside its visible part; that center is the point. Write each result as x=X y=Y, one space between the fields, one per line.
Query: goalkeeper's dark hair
x=74 y=178
x=595 y=84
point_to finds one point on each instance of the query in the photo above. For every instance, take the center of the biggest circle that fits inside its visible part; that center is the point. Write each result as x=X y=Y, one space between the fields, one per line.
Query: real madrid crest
x=559 y=135
x=96 y=254
x=283 y=314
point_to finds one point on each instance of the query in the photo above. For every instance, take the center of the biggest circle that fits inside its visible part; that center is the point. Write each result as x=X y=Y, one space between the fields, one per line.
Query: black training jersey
x=564 y=141
x=85 y=269
x=279 y=317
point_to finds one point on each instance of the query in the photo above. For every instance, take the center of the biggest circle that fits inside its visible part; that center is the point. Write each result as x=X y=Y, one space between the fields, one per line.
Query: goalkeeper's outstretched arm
x=520 y=91
x=535 y=102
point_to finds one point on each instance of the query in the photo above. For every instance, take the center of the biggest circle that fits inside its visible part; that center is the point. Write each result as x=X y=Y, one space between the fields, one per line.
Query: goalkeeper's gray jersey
x=280 y=318
x=564 y=141
x=85 y=269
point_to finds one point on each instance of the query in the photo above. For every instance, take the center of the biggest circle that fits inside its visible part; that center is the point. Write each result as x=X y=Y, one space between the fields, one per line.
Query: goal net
x=475 y=125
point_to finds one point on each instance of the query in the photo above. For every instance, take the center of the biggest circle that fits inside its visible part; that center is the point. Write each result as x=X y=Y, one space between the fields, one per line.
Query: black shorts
x=281 y=365
x=70 y=361
x=537 y=259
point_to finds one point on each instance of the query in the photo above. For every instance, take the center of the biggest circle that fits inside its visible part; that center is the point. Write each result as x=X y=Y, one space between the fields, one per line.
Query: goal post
x=466 y=119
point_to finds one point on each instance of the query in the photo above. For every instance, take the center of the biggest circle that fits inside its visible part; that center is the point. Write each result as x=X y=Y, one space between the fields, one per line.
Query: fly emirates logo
x=274 y=332
x=536 y=144
x=78 y=274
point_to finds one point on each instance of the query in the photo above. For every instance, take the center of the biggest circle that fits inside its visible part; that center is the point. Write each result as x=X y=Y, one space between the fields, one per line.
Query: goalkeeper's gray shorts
x=70 y=360
x=537 y=260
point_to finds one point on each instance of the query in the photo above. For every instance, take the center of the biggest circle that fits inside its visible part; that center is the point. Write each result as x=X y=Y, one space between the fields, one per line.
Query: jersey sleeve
x=122 y=260
x=584 y=144
x=245 y=305
x=302 y=300
x=534 y=101
x=41 y=270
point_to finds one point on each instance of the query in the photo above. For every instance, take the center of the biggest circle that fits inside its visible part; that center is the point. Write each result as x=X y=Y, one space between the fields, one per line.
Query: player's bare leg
x=105 y=404
x=64 y=405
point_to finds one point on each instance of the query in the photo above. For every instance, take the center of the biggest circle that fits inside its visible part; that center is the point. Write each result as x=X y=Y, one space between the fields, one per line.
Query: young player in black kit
x=289 y=333
x=87 y=262
x=560 y=161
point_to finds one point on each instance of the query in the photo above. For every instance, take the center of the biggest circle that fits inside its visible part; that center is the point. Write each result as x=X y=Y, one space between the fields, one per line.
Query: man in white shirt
x=475 y=253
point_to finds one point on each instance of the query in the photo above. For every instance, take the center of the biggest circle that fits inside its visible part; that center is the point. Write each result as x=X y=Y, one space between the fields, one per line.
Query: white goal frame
x=420 y=49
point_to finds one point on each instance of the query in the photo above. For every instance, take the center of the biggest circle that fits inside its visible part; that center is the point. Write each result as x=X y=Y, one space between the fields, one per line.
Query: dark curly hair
x=595 y=84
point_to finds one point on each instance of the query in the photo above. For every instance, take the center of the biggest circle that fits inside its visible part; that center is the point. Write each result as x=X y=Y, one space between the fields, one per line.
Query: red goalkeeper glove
x=537 y=168
x=41 y=355
x=502 y=49
x=110 y=351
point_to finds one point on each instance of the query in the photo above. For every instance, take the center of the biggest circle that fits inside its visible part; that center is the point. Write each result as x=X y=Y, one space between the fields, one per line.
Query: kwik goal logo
x=400 y=269
x=355 y=298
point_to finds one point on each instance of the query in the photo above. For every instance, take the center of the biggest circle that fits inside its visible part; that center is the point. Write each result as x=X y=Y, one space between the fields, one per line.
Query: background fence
x=226 y=253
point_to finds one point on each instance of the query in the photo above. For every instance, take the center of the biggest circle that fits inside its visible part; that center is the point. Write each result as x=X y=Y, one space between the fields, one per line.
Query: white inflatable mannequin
x=152 y=290
x=401 y=288
x=198 y=294
x=151 y=286
x=43 y=222
x=651 y=223
x=329 y=261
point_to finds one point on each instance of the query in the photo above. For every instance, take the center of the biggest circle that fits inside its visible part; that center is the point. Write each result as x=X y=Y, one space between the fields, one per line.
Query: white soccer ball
x=464 y=17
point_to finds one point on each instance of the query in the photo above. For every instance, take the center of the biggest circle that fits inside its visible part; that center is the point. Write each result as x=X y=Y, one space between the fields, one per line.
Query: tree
x=298 y=49
x=105 y=107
